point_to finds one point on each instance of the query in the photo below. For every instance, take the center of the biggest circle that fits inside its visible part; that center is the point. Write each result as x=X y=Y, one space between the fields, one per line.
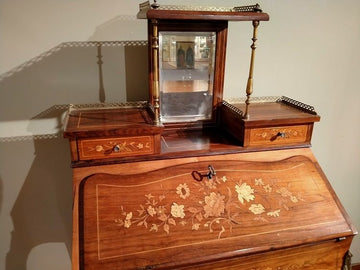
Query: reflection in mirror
x=186 y=64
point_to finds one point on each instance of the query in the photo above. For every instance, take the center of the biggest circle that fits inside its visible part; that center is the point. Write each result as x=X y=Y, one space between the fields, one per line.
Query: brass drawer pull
x=116 y=148
x=278 y=135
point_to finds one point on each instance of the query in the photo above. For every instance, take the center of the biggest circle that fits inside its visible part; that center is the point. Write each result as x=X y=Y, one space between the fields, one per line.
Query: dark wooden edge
x=74 y=151
x=278 y=122
x=219 y=72
x=230 y=121
x=192 y=25
x=207 y=15
x=129 y=131
x=81 y=222
x=197 y=125
x=185 y=154
x=355 y=266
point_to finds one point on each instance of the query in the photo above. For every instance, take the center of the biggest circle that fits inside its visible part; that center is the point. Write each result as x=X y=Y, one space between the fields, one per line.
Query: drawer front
x=278 y=135
x=115 y=147
x=326 y=255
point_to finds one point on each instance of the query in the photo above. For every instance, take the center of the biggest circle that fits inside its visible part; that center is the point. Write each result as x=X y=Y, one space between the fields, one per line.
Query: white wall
x=309 y=50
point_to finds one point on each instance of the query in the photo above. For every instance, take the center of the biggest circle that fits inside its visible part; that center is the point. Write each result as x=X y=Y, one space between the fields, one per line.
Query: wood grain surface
x=206 y=15
x=159 y=218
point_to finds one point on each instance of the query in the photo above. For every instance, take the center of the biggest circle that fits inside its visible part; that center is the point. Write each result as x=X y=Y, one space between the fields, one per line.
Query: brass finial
x=257 y=8
x=155 y=5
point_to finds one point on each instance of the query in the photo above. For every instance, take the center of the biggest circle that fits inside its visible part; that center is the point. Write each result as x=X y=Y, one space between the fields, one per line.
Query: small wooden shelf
x=270 y=123
x=206 y=15
x=128 y=134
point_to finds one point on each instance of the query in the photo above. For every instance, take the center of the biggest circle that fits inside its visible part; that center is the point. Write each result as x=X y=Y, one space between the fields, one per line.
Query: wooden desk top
x=276 y=113
x=109 y=122
x=179 y=142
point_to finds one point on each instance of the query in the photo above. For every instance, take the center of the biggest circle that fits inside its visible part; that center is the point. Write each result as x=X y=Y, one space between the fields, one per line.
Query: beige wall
x=308 y=51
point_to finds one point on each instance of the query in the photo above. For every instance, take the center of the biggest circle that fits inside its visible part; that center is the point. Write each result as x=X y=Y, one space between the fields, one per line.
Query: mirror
x=186 y=63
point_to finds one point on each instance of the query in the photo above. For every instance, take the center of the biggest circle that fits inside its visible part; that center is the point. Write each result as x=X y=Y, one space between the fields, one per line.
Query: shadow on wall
x=126 y=27
x=42 y=210
x=1 y=193
x=75 y=72
x=34 y=157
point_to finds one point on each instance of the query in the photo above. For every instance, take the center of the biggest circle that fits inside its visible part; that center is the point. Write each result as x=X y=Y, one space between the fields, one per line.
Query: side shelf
x=279 y=122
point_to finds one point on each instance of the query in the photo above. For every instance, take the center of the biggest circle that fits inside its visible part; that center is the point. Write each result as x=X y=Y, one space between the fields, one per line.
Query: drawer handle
x=199 y=177
x=116 y=148
x=278 y=135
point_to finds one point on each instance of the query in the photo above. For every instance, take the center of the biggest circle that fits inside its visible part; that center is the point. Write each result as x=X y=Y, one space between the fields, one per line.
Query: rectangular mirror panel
x=186 y=63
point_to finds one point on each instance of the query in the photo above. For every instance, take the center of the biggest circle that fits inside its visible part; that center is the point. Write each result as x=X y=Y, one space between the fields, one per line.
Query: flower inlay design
x=177 y=211
x=215 y=205
x=183 y=191
x=245 y=192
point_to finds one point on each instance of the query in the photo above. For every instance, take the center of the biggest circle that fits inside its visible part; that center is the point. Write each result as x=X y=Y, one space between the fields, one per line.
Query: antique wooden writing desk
x=190 y=181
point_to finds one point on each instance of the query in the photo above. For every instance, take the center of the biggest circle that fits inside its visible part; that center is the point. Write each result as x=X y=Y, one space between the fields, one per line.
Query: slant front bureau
x=187 y=180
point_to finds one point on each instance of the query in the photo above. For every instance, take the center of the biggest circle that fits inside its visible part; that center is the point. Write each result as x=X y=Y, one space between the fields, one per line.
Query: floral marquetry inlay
x=102 y=148
x=273 y=135
x=244 y=205
x=216 y=205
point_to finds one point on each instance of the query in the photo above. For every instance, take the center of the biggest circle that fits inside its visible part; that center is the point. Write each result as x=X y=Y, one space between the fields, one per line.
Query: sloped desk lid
x=167 y=218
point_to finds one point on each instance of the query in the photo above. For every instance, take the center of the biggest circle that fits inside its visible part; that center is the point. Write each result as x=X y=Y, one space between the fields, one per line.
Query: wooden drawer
x=270 y=124
x=280 y=135
x=327 y=255
x=115 y=147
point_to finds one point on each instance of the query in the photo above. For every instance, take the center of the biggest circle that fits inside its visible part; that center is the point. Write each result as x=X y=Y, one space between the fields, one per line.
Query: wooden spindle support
x=249 y=86
x=155 y=88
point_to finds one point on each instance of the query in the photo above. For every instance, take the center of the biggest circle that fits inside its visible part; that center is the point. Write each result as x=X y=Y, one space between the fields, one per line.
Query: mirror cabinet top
x=187 y=51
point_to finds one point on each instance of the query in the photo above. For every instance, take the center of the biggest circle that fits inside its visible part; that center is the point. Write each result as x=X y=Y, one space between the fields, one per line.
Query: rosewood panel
x=328 y=255
x=159 y=218
x=123 y=121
